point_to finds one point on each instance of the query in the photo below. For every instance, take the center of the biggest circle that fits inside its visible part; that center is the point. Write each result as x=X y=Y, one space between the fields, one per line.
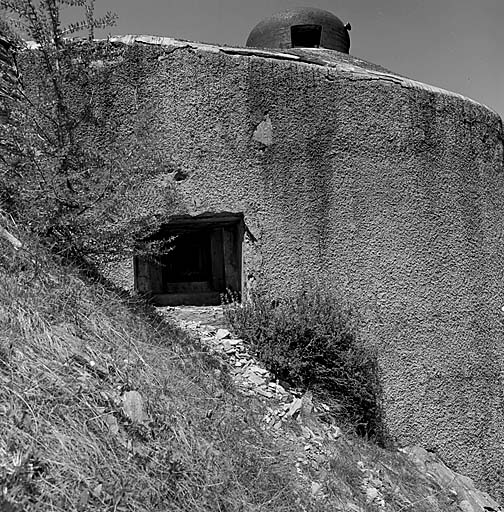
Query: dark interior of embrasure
x=200 y=260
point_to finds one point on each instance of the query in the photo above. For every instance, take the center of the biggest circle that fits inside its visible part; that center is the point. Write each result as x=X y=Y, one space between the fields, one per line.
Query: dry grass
x=68 y=352
x=70 y=349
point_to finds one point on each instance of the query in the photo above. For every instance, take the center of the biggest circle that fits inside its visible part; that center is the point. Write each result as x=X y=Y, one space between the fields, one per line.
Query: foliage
x=64 y=171
x=311 y=340
x=48 y=172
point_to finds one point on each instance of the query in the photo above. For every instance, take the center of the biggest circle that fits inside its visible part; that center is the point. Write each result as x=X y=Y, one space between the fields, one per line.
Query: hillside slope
x=104 y=406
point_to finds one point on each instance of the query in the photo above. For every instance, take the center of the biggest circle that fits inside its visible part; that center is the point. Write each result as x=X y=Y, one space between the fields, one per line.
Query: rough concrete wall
x=391 y=191
x=396 y=194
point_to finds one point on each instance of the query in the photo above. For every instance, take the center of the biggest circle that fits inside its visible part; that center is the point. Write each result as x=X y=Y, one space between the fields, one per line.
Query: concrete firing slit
x=203 y=262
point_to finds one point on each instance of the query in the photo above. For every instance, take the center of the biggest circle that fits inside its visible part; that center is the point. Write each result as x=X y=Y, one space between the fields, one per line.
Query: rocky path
x=249 y=375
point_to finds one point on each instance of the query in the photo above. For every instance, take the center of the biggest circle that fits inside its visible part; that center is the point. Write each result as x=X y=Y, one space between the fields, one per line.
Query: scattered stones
x=469 y=498
x=254 y=378
x=295 y=407
x=315 y=488
x=372 y=494
x=265 y=393
x=227 y=346
x=247 y=372
x=259 y=370
x=111 y=423
x=335 y=432
x=465 y=506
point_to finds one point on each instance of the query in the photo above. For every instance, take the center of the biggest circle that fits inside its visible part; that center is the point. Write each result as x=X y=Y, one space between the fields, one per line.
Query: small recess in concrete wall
x=306 y=36
x=180 y=175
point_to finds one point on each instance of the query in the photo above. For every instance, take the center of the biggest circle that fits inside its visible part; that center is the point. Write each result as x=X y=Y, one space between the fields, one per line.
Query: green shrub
x=310 y=340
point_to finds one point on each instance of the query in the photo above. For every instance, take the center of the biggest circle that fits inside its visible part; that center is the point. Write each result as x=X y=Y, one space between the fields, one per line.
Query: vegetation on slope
x=68 y=168
x=311 y=341
x=71 y=350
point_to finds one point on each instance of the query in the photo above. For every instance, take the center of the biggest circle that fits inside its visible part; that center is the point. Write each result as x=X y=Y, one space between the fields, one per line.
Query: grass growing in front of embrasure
x=310 y=340
x=68 y=351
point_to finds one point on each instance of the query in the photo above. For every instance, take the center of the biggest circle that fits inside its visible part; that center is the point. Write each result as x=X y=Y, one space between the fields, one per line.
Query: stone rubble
x=249 y=376
x=469 y=498
x=133 y=407
x=286 y=405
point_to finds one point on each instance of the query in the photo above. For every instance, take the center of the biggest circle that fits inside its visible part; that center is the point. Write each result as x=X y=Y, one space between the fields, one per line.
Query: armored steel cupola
x=304 y=27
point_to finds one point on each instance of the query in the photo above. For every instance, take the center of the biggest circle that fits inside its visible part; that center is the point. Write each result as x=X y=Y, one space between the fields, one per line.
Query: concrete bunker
x=203 y=259
x=405 y=223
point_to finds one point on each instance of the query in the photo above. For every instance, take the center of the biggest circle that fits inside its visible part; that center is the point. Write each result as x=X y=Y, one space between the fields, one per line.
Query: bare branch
x=16 y=244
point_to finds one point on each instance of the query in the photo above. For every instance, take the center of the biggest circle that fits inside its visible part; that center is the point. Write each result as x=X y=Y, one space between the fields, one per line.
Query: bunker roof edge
x=302 y=56
x=305 y=57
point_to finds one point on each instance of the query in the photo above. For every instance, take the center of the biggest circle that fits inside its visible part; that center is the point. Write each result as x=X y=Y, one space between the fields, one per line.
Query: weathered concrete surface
x=391 y=190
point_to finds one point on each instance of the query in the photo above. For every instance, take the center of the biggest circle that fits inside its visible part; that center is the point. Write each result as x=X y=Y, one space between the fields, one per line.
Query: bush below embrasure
x=310 y=340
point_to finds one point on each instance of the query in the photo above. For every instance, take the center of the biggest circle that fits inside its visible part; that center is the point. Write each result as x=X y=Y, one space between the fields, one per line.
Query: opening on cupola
x=203 y=260
x=306 y=36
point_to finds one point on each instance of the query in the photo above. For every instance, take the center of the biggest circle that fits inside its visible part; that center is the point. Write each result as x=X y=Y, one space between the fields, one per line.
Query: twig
x=10 y=238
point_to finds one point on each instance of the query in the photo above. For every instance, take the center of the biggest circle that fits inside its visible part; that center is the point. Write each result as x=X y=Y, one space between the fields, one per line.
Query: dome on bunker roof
x=303 y=27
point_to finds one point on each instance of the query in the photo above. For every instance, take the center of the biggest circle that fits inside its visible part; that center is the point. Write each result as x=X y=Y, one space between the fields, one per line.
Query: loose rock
x=133 y=406
x=222 y=334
